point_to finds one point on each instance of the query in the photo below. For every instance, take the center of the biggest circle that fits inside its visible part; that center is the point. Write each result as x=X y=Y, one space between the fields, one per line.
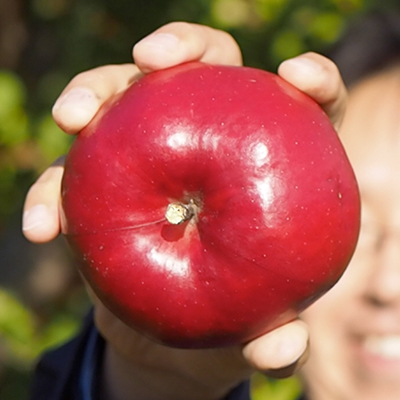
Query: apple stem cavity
x=178 y=213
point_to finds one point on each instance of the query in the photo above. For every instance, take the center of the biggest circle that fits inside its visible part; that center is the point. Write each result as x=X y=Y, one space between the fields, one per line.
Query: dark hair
x=370 y=44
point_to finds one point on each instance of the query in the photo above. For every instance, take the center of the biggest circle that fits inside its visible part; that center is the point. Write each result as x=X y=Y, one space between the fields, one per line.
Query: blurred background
x=43 y=44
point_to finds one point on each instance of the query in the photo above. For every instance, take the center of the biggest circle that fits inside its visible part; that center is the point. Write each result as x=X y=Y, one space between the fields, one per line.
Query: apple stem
x=177 y=213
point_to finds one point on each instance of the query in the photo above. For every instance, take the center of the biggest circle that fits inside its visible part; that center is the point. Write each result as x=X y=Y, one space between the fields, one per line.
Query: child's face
x=355 y=328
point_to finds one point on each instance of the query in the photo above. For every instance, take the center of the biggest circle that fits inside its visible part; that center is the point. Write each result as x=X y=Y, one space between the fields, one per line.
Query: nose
x=383 y=287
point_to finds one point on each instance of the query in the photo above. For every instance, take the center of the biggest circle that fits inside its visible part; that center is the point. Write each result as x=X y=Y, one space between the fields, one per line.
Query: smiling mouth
x=384 y=346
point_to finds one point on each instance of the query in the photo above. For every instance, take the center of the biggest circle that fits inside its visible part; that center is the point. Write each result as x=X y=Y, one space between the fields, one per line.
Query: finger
x=290 y=370
x=85 y=94
x=280 y=352
x=319 y=77
x=40 y=222
x=180 y=42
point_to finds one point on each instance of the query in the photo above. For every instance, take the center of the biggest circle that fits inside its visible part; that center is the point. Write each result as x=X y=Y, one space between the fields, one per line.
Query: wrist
x=156 y=377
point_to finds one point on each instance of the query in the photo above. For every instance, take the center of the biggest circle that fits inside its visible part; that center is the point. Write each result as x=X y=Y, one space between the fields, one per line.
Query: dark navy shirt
x=71 y=372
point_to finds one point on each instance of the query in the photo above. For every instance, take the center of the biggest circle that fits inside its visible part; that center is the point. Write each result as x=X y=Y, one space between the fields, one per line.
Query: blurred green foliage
x=28 y=142
x=23 y=337
x=263 y=388
x=65 y=37
x=26 y=344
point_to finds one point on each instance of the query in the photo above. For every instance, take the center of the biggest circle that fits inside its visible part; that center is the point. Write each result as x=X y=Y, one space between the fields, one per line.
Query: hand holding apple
x=270 y=353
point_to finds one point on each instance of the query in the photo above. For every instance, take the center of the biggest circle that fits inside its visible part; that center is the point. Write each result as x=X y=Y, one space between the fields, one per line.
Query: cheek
x=323 y=315
x=333 y=309
x=328 y=320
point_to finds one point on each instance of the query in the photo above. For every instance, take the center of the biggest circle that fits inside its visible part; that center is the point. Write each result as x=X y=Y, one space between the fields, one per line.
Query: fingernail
x=304 y=65
x=161 y=41
x=78 y=103
x=35 y=217
x=291 y=349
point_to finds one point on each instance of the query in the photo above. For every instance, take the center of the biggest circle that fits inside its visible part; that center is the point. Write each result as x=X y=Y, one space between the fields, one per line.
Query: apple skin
x=277 y=207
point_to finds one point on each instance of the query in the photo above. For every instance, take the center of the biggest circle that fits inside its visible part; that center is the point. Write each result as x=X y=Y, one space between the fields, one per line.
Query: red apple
x=210 y=204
